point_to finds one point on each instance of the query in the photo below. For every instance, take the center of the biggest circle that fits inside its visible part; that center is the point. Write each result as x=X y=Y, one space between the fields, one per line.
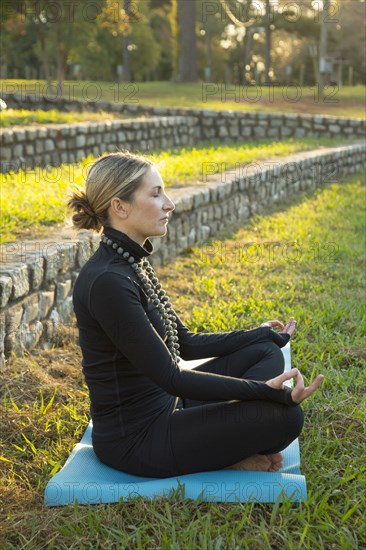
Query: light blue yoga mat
x=87 y=480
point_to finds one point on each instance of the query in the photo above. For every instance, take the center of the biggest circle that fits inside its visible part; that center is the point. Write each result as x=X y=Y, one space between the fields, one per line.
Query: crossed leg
x=236 y=434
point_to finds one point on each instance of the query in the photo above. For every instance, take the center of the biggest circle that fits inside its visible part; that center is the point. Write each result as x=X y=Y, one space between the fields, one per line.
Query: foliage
x=36 y=198
x=82 y=37
x=45 y=405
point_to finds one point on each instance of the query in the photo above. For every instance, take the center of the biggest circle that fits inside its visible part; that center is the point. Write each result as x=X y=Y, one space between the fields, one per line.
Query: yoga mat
x=87 y=480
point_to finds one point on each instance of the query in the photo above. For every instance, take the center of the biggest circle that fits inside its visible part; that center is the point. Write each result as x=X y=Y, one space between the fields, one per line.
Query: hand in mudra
x=300 y=392
x=288 y=329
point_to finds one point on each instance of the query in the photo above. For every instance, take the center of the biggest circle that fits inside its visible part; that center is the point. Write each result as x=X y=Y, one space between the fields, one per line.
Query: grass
x=346 y=101
x=314 y=272
x=23 y=117
x=35 y=198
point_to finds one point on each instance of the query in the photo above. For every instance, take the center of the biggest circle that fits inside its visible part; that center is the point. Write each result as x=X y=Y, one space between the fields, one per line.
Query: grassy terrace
x=35 y=199
x=346 y=101
x=314 y=272
x=23 y=117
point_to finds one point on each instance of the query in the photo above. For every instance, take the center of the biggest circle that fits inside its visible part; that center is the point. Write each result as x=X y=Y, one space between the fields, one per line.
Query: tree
x=187 y=63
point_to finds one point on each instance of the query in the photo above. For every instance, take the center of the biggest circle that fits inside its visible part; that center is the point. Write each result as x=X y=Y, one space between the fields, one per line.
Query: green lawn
x=23 y=117
x=316 y=273
x=345 y=101
x=36 y=198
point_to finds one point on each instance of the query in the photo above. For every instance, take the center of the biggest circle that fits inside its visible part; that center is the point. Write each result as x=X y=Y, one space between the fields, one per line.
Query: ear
x=120 y=208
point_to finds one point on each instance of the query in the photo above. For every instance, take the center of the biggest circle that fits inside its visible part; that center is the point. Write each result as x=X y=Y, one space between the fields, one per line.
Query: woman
x=150 y=416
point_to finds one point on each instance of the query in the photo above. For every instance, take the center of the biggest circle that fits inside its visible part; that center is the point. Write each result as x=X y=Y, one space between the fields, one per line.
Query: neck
x=130 y=234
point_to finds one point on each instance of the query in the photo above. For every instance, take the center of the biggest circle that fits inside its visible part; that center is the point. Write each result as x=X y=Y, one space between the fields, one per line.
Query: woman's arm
x=200 y=345
x=115 y=303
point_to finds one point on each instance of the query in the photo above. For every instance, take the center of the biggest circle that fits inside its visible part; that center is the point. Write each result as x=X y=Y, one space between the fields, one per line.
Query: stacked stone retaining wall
x=28 y=147
x=169 y=127
x=36 y=278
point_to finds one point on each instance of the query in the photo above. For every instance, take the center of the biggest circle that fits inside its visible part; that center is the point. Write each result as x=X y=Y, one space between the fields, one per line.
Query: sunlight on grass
x=344 y=101
x=37 y=197
x=279 y=265
x=23 y=117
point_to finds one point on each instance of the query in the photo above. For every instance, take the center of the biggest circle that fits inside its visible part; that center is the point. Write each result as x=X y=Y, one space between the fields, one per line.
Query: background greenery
x=88 y=40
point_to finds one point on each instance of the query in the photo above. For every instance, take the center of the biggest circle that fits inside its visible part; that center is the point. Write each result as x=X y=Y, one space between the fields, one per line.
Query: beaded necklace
x=155 y=293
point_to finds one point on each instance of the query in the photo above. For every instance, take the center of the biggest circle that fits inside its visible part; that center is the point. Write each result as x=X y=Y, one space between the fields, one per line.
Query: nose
x=169 y=205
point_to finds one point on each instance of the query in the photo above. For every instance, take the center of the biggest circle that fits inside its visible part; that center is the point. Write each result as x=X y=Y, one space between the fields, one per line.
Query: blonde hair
x=113 y=175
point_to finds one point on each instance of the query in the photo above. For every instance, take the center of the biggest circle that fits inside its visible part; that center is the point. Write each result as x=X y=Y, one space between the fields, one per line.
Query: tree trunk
x=126 y=76
x=44 y=54
x=187 y=64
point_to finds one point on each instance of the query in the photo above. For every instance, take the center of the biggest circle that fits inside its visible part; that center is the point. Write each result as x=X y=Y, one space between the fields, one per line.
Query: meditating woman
x=151 y=417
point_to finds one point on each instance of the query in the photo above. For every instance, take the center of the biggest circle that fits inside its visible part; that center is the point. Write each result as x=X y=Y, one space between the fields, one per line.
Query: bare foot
x=259 y=463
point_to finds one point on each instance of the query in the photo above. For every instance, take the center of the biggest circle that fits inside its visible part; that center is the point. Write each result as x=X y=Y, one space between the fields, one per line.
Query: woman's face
x=147 y=215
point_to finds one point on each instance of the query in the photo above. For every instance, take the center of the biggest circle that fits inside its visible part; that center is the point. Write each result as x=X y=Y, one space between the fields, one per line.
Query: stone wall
x=169 y=127
x=28 y=147
x=36 y=278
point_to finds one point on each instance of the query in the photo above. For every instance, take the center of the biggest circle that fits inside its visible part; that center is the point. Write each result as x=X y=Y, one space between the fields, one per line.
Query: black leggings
x=208 y=435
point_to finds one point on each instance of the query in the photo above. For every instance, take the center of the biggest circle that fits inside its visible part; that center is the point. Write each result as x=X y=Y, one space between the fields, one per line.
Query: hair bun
x=84 y=217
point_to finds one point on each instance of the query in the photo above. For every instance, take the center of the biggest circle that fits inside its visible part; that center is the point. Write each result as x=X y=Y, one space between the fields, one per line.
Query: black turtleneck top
x=127 y=366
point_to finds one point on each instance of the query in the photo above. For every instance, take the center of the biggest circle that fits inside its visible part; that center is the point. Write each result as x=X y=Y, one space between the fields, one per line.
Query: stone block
x=334 y=128
x=30 y=309
x=192 y=237
x=259 y=132
x=42 y=132
x=83 y=253
x=6 y=153
x=49 y=145
x=30 y=335
x=300 y=132
x=79 y=155
x=275 y=121
x=13 y=317
x=13 y=343
x=273 y=132
x=52 y=262
x=35 y=269
x=53 y=133
x=39 y=146
x=65 y=310
x=234 y=131
x=68 y=251
x=205 y=232
x=20 y=277
x=217 y=212
x=62 y=290
x=45 y=303
x=223 y=132
x=182 y=243
x=8 y=136
x=29 y=149
x=80 y=141
x=6 y=285
x=18 y=150
x=94 y=242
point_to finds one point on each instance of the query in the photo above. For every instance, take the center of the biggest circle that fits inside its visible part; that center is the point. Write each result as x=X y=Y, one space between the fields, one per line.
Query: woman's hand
x=299 y=393
x=288 y=329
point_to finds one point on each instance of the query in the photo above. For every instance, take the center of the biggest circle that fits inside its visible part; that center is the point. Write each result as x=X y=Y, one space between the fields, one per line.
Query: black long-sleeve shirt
x=127 y=366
